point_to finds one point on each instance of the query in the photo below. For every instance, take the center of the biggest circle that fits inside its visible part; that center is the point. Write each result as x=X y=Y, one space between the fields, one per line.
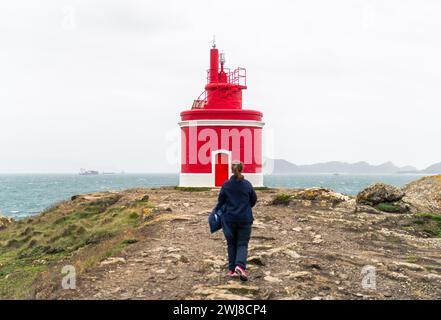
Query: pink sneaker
x=242 y=273
x=232 y=274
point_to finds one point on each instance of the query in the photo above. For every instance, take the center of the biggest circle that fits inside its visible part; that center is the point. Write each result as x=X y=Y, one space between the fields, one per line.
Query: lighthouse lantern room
x=217 y=131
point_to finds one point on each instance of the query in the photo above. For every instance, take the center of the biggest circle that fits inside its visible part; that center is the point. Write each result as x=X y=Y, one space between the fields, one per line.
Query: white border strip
x=207 y=179
x=205 y=122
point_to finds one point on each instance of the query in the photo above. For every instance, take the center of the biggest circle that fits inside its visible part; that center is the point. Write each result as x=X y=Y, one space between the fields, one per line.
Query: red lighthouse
x=217 y=131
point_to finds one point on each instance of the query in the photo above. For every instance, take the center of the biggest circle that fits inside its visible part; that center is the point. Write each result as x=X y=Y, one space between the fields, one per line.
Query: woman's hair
x=237 y=168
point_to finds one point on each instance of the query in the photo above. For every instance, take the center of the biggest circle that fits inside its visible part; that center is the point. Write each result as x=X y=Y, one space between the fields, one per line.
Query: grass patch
x=430 y=216
x=129 y=241
x=281 y=199
x=388 y=207
x=32 y=247
x=261 y=188
x=413 y=259
x=429 y=223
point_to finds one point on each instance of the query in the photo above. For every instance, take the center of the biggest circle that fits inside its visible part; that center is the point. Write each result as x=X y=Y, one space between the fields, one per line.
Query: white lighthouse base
x=207 y=179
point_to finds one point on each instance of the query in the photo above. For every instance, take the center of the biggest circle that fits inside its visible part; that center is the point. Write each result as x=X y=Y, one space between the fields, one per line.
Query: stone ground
x=305 y=250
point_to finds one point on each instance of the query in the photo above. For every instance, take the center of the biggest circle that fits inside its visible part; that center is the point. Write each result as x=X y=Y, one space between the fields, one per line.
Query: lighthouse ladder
x=200 y=102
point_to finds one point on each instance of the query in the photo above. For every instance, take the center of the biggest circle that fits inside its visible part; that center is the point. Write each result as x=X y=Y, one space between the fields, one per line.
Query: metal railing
x=237 y=76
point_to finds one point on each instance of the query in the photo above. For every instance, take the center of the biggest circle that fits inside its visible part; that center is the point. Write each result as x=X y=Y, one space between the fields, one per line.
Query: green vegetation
x=261 y=188
x=281 y=199
x=429 y=223
x=429 y=216
x=413 y=259
x=193 y=189
x=100 y=225
x=388 y=207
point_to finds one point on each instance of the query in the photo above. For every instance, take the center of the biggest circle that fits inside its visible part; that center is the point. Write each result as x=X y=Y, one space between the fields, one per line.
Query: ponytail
x=237 y=168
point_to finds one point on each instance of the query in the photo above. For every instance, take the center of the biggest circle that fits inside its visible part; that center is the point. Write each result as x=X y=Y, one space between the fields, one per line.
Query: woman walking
x=237 y=197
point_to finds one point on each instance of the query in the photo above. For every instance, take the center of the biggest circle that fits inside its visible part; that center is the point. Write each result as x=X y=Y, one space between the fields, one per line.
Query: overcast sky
x=100 y=84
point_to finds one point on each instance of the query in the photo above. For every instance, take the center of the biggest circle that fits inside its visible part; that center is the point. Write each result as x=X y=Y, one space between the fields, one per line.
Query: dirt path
x=300 y=251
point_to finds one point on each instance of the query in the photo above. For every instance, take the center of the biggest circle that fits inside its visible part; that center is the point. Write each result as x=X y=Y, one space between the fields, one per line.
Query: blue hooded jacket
x=239 y=197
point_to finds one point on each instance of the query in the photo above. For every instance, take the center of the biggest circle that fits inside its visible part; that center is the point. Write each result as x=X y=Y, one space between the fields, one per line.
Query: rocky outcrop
x=5 y=221
x=424 y=195
x=383 y=198
x=310 y=196
x=320 y=194
x=378 y=193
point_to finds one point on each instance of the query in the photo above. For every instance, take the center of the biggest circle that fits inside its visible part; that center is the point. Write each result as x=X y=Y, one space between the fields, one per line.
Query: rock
x=238 y=288
x=226 y=296
x=144 y=197
x=378 y=193
x=214 y=263
x=258 y=224
x=115 y=290
x=5 y=221
x=139 y=260
x=230 y=291
x=297 y=229
x=410 y=266
x=161 y=271
x=277 y=250
x=433 y=276
x=257 y=260
x=255 y=247
x=300 y=274
x=424 y=195
x=398 y=276
x=272 y=279
x=322 y=196
x=174 y=256
x=291 y=253
x=164 y=207
x=113 y=260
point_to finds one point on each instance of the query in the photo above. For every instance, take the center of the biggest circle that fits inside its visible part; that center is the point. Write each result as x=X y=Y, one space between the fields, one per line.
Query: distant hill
x=434 y=168
x=282 y=166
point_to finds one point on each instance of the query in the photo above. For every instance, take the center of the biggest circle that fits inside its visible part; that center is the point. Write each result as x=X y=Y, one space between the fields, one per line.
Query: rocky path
x=305 y=250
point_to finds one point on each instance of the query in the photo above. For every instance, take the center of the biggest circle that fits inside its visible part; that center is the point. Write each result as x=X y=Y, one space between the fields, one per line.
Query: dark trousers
x=237 y=236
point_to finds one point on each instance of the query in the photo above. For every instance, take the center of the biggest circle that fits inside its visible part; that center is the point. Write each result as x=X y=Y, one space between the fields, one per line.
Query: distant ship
x=84 y=172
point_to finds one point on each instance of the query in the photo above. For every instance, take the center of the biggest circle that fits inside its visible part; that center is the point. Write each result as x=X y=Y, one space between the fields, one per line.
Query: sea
x=23 y=195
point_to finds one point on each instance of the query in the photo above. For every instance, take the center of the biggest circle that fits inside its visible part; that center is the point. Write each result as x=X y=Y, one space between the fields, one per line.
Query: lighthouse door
x=220 y=169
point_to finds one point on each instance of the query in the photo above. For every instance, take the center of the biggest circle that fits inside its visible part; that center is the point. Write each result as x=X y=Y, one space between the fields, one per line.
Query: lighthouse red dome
x=217 y=130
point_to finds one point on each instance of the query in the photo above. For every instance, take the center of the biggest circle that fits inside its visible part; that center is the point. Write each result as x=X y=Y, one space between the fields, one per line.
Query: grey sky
x=99 y=84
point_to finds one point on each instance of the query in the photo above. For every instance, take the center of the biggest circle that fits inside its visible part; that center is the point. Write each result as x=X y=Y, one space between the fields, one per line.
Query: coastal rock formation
x=381 y=197
x=309 y=196
x=5 y=221
x=424 y=194
x=320 y=194
x=378 y=193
